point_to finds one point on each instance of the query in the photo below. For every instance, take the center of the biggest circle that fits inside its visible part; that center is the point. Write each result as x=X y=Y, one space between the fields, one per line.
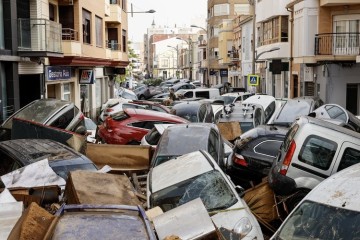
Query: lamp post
x=207 y=53
x=189 y=42
x=177 y=58
x=148 y=11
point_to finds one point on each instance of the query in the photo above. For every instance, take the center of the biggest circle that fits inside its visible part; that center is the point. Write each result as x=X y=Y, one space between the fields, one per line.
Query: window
x=86 y=26
x=202 y=113
x=268 y=147
x=52 y=10
x=124 y=5
x=189 y=94
x=273 y=31
x=99 y=31
x=64 y=119
x=146 y=124
x=241 y=9
x=221 y=9
x=202 y=94
x=336 y=113
x=318 y=152
x=67 y=92
x=350 y=157
x=269 y=111
x=124 y=40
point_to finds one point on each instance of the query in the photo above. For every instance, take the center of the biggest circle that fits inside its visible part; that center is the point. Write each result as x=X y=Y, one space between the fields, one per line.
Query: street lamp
x=148 y=11
x=189 y=42
x=177 y=58
x=270 y=50
x=207 y=53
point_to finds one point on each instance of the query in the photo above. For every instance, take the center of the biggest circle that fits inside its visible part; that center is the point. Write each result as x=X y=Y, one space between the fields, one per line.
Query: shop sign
x=223 y=73
x=58 y=73
x=86 y=76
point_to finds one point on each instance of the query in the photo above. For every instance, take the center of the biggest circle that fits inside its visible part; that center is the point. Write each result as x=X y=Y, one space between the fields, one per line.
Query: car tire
x=294 y=200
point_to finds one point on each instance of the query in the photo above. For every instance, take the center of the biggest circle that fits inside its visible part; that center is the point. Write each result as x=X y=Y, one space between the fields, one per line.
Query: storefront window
x=67 y=91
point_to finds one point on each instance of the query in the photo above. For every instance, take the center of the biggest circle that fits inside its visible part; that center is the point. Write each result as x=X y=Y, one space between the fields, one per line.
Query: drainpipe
x=291 y=79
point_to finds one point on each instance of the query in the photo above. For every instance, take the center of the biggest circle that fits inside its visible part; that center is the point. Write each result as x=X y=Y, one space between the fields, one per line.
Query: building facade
x=64 y=49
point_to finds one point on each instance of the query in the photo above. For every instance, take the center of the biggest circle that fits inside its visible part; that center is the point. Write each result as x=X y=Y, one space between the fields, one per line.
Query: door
x=352 y=98
x=113 y=42
x=30 y=88
x=346 y=35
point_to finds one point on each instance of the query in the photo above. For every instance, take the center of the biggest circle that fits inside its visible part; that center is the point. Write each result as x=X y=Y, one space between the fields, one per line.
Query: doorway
x=295 y=86
x=352 y=98
x=30 y=88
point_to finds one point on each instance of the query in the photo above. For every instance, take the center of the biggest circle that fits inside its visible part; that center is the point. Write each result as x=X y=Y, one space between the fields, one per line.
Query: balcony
x=70 y=42
x=115 y=13
x=115 y=49
x=328 y=3
x=39 y=38
x=107 y=8
x=341 y=46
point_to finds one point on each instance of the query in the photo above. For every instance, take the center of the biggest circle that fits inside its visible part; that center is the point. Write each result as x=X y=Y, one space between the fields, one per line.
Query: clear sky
x=168 y=13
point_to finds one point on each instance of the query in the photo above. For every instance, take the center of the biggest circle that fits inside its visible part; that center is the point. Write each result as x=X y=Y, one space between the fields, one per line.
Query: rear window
x=318 y=152
x=119 y=116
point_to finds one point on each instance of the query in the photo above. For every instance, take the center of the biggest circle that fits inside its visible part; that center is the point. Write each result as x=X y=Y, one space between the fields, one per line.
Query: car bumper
x=280 y=184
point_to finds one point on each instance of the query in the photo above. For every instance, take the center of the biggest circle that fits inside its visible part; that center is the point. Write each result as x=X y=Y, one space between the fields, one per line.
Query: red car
x=152 y=105
x=130 y=125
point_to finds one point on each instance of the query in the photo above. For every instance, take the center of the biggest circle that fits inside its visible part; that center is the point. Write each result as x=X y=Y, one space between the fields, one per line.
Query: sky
x=168 y=13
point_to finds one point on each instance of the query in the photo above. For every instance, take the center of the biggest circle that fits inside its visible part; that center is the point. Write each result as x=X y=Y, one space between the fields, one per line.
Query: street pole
x=207 y=54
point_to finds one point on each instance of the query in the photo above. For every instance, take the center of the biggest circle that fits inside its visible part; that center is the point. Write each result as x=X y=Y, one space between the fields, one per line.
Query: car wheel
x=294 y=200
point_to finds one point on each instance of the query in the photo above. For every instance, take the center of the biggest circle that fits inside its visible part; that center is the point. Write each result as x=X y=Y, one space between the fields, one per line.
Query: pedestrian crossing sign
x=253 y=80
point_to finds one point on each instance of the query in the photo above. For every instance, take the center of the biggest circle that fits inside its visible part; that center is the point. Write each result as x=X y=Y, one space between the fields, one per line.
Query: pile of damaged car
x=264 y=168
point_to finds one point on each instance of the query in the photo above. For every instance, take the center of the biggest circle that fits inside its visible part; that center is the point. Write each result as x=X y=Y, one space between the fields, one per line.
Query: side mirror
x=240 y=191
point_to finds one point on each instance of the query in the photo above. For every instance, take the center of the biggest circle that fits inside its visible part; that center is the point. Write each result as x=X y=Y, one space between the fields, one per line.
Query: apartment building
x=64 y=49
x=218 y=11
x=326 y=60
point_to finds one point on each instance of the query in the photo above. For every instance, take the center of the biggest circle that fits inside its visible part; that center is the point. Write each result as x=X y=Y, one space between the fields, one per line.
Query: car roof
x=183 y=138
x=153 y=114
x=191 y=105
x=235 y=94
x=32 y=150
x=263 y=100
x=302 y=120
x=339 y=190
x=179 y=169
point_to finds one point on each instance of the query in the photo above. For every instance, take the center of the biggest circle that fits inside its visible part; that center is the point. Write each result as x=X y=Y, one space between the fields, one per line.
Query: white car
x=91 y=130
x=114 y=105
x=234 y=97
x=266 y=101
x=152 y=138
x=330 y=211
x=197 y=175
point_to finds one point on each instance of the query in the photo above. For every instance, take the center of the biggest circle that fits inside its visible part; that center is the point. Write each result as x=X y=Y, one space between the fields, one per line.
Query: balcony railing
x=70 y=34
x=39 y=35
x=337 y=44
x=113 y=45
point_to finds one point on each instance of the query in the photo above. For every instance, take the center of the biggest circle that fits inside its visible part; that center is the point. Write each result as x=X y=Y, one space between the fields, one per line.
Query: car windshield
x=290 y=111
x=38 y=111
x=227 y=99
x=63 y=170
x=313 y=220
x=161 y=159
x=89 y=124
x=210 y=187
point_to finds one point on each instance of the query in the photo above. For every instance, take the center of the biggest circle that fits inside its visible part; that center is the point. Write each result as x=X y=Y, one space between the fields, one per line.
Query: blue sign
x=58 y=73
x=253 y=80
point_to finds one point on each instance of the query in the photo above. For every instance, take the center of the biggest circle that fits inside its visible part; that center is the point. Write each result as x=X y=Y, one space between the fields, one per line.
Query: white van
x=330 y=211
x=209 y=93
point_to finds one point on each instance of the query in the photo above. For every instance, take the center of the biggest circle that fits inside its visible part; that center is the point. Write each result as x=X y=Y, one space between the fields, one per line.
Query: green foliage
x=153 y=82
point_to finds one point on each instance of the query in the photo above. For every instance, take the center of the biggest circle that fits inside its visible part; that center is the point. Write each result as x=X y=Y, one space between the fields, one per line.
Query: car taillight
x=240 y=160
x=287 y=159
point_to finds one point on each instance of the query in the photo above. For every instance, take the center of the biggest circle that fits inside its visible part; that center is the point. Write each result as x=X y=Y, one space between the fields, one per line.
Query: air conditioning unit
x=308 y=74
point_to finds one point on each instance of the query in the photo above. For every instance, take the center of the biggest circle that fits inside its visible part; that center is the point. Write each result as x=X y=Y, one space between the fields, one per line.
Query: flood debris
x=10 y=212
x=84 y=187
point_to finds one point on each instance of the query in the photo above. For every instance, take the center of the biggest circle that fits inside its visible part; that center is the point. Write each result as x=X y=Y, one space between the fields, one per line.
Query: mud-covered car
x=102 y=222
x=18 y=153
x=51 y=112
x=197 y=175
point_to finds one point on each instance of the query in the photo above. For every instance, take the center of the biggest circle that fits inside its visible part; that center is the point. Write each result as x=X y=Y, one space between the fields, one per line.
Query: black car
x=254 y=152
x=18 y=153
x=194 y=111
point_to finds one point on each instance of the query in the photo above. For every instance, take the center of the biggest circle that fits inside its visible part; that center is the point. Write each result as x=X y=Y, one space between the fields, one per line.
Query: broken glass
x=313 y=220
x=210 y=187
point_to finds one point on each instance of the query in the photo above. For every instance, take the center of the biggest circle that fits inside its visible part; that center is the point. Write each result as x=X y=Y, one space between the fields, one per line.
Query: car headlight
x=243 y=227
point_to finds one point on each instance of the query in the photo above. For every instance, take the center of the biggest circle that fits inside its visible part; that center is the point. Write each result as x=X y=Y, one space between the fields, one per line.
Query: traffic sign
x=253 y=80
